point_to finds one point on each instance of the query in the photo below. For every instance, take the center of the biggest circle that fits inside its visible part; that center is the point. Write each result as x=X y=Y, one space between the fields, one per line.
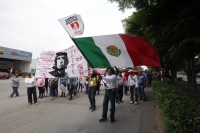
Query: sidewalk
x=63 y=116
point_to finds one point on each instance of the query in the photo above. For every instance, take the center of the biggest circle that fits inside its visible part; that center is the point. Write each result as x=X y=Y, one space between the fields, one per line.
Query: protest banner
x=65 y=63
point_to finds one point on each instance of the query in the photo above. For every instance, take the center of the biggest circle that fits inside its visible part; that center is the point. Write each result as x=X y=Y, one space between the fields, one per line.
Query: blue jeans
x=141 y=92
x=120 y=92
x=91 y=96
x=109 y=96
x=15 y=91
x=134 y=93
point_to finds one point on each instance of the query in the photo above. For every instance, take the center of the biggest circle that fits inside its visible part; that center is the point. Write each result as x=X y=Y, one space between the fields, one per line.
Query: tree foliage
x=172 y=26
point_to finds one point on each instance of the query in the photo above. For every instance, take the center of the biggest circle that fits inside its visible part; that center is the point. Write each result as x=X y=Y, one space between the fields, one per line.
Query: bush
x=180 y=113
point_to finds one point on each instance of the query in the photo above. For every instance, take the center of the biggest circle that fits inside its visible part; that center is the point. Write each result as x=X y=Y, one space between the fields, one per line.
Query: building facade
x=15 y=59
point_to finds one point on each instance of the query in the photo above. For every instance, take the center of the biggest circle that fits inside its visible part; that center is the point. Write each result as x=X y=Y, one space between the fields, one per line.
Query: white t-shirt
x=110 y=81
x=132 y=80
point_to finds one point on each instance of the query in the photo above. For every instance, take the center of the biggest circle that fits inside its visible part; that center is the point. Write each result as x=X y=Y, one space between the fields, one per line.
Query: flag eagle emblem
x=113 y=50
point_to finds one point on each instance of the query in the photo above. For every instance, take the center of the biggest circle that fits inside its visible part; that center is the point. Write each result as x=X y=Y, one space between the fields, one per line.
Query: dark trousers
x=86 y=88
x=52 y=91
x=91 y=96
x=46 y=87
x=79 y=85
x=119 y=93
x=98 y=89
x=150 y=80
x=32 y=91
x=41 y=91
x=71 y=91
x=109 y=96
x=56 y=91
x=134 y=93
x=63 y=94
x=125 y=89
x=15 y=91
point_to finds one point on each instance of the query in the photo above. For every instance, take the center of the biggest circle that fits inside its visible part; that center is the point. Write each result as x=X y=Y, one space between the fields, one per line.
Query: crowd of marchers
x=116 y=83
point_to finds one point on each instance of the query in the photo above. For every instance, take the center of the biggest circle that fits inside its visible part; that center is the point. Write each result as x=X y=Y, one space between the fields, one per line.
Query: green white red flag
x=119 y=50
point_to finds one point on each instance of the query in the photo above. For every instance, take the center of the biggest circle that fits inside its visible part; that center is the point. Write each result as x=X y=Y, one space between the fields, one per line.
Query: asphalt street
x=63 y=116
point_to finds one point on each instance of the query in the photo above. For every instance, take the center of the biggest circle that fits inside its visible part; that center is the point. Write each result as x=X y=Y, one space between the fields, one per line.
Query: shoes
x=136 y=102
x=144 y=100
x=10 y=96
x=74 y=97
x=70 y=99
x=61 y=96
x=122 y=101
x=92 y=110
x=131 y=102
x=36 y=103
x=29 y=103
x=52 y=98
x=103 y=120
x=17 y=96
x=90 y=107
x=112 y=120
x=140 y=99
x=118 y=102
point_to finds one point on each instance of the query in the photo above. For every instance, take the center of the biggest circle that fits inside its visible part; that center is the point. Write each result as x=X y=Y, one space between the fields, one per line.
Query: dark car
x=4 y=75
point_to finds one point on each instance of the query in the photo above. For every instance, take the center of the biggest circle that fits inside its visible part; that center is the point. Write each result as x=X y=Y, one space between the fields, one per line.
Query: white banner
x=73 y=24
x=69 y=62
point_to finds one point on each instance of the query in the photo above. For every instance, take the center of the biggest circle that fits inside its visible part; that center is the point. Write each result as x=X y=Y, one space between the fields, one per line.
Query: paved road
x=63 y=116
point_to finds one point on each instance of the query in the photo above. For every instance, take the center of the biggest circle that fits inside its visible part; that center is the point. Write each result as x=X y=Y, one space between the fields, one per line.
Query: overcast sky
x=32 y=25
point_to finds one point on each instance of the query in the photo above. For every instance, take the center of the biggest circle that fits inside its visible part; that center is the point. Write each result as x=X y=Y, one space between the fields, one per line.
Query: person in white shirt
x=110 y=94
x=133 y=86
x=31 y=89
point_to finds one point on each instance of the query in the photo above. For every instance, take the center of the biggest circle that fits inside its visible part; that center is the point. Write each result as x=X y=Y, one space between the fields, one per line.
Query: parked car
x=5 y=75
x=198 y=75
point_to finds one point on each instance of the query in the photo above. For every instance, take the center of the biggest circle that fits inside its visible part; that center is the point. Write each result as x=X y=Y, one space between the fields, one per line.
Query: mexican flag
x=119 y=50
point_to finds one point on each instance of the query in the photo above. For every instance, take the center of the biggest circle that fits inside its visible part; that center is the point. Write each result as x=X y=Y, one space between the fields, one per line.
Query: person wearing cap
x=31 y=89
x=133 y=85
x=110 y=94
x=15 y=85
